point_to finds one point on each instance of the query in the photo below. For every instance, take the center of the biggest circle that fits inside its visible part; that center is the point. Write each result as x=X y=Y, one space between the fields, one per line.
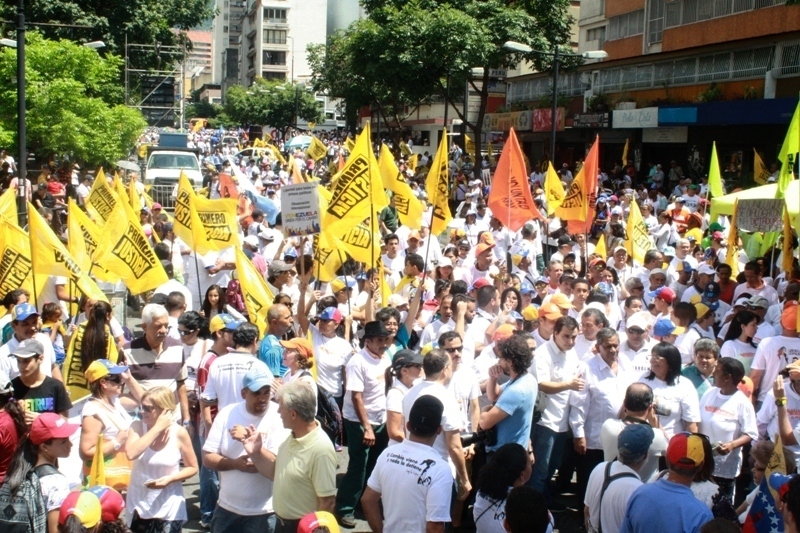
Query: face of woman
x=213 y=298
x=635 y=307
x=750 y=329
x=607 y=277
x=511 y=301
x=392 y=325
x=150 y=412
x=59 y=448
x=290 y=358
x=758 y=470
x=112 y=385
x=412 y=372
x=659 y=366
x=705 y=362
x=446 y=271
x=327 y=327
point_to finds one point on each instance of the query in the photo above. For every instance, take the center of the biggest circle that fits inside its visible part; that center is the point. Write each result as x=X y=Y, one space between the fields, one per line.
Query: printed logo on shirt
x=719 y=411
x=789 y=355
x=40 y=405
x=414 y=467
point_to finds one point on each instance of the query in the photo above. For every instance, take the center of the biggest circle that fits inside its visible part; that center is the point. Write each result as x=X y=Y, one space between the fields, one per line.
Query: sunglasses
x=148 y=408
x=454 y=349
x=113 y=379
x=185 y=332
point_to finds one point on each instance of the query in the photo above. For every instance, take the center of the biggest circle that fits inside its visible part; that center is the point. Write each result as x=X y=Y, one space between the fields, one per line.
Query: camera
x=661 y=410
x=487 y=436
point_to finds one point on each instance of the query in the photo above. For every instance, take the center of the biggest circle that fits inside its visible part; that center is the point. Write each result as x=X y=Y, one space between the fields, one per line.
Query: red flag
x=510 y=198
x=227 y=187
x=587 y=173
x=341 y=162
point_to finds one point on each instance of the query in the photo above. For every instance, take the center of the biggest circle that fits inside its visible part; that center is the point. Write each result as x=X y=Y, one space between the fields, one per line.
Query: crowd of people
x=503 y=366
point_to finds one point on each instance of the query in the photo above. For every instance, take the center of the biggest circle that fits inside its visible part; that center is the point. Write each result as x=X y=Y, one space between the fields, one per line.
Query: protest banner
x=300 y=208
x=760 y=215
x=215 y=223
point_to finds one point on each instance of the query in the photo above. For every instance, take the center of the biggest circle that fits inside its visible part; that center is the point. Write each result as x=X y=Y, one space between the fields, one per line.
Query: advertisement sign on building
x=636 y=118
x=675 y=134
x=542 y=122
x=591 y=120
x=519 y=120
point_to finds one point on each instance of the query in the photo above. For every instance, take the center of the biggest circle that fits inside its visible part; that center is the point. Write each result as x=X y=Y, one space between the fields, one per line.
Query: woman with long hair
x=96 y=341
x=444 y=270
x=12 y=427
x=157 y=446
x=739 y=339
x=399 y=377
x=213 y=303
x=511 y=300
x=510 y=466
x=36 y=459
x=671 y=391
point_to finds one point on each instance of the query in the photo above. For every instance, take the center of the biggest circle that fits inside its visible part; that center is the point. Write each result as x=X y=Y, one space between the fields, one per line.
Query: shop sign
x=591 y=120
x=519 y=120
x=636 y=118
x=542 y=122
x=675 y=134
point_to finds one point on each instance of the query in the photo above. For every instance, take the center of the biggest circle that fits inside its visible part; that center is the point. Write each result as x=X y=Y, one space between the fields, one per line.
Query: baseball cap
x=668 y=251
x=540 y=279
x=51 y=426
x=82 y=504
x=684 y=266
x=664 y=293
x=28 y=348
x=620 y=249
x=331 y=313
x=277 y=267
x=605 y=288
x=561 y=301
x=616 y=210
x=685 y=449
x=223 y=321
x=702 y=309
x=789 y=316
x=251 y=240
x=464 y=244
x=301 y=344
x=406 y=357
x=550 y=311
x=639 y=320
x=525 y=288
x=23 y=311
x=718 y=236
x=156 y=205
x=707 y=269
x=101 y=368
x=414 y=234
x=758 y=301
x=425 y=416
x=480 y=282
x=291 y=252
x=715 y=226
x=516 y=259
x=564 y=240
x=503 y=332
x=340 y=283
x=313 y=522
x=780 y=483
x=664 y=327
x=741 y=302
x=397 y=300
x=712 y=290
x=258 y=377
x=111 y=502
x=444 y=261
x=530 y=313
x=634 y=441
x=596 y=261
x=680 y=199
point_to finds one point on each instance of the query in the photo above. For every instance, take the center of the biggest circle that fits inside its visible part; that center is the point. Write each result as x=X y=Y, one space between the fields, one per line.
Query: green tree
x=405 y=51
x=274 y=104
x=142 y=21
x=74 y=102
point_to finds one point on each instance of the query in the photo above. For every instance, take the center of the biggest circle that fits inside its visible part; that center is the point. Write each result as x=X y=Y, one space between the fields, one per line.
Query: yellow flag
x=327 y=258
x=16 y=267
x=182 y=225
x=412 y=162
x=8 y=205
x=127 y=253
x=257 y=296
x=317 y=150
x=83 y=236
x=470 y=145
x=215 y=223
x=600 y=247
x=490 y=152
x=119 y=188
x=97 y=473
x=360 y=245
x=437 y=187
x=276 y=154
x=358 y=193
x=638 y=242
x=760 y=172
x=777 y=462
x=409 y=208
x=74 y=378
x=554 y=190
x=383 y=286
x=574 y=202
x=788 y=154
x=349 y=144
x=133 y=196
x=266 y=136
x=714 y=176
x=51 y=258
x=625 y=152
x=788 y=251
x=102 y=199
x=258 y=143
x=732 y=256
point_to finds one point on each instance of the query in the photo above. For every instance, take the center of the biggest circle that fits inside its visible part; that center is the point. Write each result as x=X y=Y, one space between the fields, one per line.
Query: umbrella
x=128 y=165
x=301 y=141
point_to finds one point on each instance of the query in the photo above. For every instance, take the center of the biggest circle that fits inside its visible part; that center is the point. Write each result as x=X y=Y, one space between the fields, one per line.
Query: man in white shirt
x=612 y=483
x=25 y=325
x=636 y=344
x=245 y=496
x=775 y=353
x=394 y=259
x=606 y=378
x=755 y=285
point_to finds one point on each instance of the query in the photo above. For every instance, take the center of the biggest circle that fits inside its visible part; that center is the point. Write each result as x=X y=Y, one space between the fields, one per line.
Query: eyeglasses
x=148 y=408
x=113 y=379
x=185 y=332
x=454 y=349
x=635 y=331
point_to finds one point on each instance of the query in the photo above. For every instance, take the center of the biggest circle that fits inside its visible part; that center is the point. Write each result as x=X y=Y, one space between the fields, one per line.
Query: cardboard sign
x=300 y=208
x=760 y=215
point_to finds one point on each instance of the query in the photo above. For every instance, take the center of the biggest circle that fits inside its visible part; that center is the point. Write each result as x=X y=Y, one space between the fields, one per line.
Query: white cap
x=707 y=270
x=251 y=240
x=617 y=210
x=640 y=319
x=396 y=300
x=445 y=261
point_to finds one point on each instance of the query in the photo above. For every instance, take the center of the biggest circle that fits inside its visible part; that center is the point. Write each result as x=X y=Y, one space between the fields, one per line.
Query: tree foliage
x=73 y=99
x=143 y=21
x=270 y=103
x=403 y=53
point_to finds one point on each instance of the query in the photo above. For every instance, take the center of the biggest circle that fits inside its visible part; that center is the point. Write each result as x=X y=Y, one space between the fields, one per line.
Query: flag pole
x=31 y=208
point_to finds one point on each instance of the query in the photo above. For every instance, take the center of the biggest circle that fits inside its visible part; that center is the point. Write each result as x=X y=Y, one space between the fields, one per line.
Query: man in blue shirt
x=669 y=505
x=512 y=412
x=279 y=319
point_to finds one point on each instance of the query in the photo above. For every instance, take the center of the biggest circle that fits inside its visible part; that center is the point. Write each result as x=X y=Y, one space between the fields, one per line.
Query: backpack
x=25 y=512
x=328 y=414
x=233 y=295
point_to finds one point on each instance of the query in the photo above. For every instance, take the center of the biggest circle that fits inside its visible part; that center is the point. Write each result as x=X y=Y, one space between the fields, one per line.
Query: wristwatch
x=187 y=423
x=780 y=402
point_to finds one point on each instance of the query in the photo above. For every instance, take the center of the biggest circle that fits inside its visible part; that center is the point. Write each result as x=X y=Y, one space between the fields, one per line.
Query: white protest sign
x=760 y=215
x=300 y=209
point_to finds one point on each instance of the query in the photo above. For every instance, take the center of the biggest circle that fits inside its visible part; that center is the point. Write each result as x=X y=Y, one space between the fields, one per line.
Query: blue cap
x=663 y=327
x=23 y=311
x=516 y=316
x=605 y=288
x=541 y=279
x=361 y=276
x=257 y=377
x=525 y=288
x=634 y=441
x=291 y=252
x=687 y=266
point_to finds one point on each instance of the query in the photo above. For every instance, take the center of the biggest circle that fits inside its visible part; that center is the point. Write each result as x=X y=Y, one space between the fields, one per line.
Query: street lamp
x=522 y=48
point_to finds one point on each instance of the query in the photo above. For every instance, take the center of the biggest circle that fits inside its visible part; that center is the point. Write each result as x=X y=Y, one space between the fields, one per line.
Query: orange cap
x=561 y=301
x=503 y=332
x=550 y=311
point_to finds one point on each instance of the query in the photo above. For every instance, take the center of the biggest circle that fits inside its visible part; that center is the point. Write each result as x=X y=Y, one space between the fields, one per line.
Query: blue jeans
x=225 y=522
x=548 y=448
x=209 y=480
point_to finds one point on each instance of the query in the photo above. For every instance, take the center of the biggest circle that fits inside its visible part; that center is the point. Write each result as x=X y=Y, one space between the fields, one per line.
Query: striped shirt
x=153 y=369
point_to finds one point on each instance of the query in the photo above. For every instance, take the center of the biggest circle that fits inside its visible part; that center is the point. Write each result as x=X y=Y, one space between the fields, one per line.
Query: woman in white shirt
x=510 y=466
x=103 y=414
x=739 y=339
x=676 y=401
x=298 y=357
x=405 y=370
x=729 y=420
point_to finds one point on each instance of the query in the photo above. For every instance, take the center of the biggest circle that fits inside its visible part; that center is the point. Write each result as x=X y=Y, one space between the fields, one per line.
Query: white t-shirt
x=464 y=388
x=680 y=398
x=394 y=401
x=241 y=492
x=609 y=435
x=723 y=419
x=114 y=419
x=685 y=344
x=331 y=355
x=551 y=364
x=8 y=365
x=772 y=356
x=225 y=376
x=615 y=499
x=741 y=351
x=767 y=416
x=55 y=489
x=365 y=374
x=451 y=417
x=415 y=485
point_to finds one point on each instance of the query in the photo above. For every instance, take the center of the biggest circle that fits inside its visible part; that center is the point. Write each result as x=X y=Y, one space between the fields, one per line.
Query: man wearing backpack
x=611 y=484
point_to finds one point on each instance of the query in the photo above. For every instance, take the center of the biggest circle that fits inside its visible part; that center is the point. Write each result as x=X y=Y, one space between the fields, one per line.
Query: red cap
x=51 y=426
x=111 y=501
x=666 y=294
x=480 y=282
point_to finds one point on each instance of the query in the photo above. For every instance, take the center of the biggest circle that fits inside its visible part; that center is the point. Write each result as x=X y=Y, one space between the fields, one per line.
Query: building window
x=224 y=29
x=275 y=16
x=655 y=27
x=274 y=75
x=274 y=36
x=272 y=57
x=597 y=34
x=626 y=25
x=679 y=12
